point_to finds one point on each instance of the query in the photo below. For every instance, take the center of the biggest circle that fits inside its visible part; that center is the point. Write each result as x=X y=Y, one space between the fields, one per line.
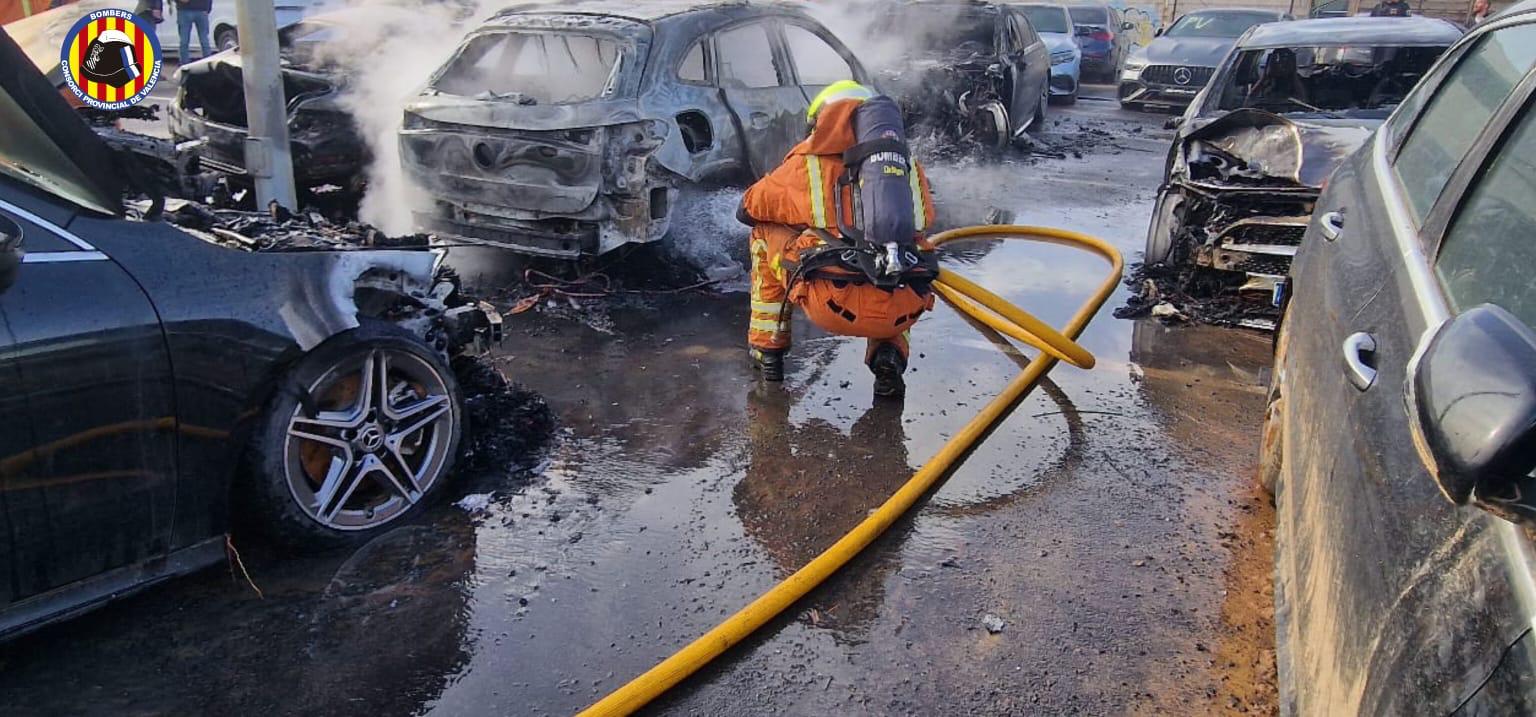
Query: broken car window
x=1364 y=82
x=1048 y=18
x=746 y=58
x=941 y=29
x=692 y=67
x=1462 y=106
x=534 y=68
x=815 y=60
x=1217 y=24
x=1488 y=253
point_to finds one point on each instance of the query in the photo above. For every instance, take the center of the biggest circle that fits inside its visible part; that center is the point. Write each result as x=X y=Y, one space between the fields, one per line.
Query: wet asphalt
x=1109 y=523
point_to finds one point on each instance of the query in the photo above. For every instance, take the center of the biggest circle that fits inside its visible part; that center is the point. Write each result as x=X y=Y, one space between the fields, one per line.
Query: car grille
x=1164 y=75
x=1273 y=234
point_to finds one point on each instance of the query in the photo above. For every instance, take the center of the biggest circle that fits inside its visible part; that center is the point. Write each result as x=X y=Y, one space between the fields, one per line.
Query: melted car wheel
x=361 y=436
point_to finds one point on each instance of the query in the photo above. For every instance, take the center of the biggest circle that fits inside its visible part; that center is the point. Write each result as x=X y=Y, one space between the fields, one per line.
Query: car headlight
x=1135 y=65
x=1063 y=56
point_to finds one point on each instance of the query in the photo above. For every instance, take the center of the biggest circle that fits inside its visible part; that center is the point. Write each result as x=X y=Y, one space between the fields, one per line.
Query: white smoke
x=388 y=49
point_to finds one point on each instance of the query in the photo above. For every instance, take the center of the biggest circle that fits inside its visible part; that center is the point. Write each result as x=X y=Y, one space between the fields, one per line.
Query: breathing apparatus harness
x=850 y=254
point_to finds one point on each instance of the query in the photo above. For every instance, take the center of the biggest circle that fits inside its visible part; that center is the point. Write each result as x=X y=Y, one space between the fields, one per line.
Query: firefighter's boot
x=888 y=365
x=769 y=363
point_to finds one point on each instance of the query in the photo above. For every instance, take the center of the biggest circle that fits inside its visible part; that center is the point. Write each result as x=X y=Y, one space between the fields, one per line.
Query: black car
x=965 y=70
x=160 y=385
x=1177 y=64
x=1404 y=399
x=327 y=146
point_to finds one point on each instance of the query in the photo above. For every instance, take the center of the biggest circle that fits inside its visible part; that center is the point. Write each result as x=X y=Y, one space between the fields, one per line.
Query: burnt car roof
x=647 y=11
x=1352 y=31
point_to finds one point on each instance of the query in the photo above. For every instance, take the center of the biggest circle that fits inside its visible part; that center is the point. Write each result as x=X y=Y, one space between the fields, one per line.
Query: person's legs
x=200 y=20
x=184 y=33
x=887 y=359
x=768 y=327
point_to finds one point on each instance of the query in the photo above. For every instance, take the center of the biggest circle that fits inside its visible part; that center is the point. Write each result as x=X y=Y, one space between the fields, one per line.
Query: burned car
x=567 y=130
x=325 y=141
x=161 y=384
x=1257 y=145
x=965 y=71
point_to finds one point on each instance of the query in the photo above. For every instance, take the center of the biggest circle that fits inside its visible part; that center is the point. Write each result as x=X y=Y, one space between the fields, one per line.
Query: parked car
x=967 y=71
x=326 y=145
x=1101 y=32
x=42 y=35
x=1402 y=417
x=159 y=383
x=1256 y=146
x=1172 y=69
x=567 y=130
x=1054 y=25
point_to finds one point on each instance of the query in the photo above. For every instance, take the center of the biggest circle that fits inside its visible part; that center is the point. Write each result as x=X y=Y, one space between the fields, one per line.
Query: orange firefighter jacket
x=800 y=191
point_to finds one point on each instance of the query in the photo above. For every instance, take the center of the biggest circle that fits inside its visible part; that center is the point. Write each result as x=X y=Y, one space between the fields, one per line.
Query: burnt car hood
x=217 y=86
x=1303 y=152
x=1197 y=51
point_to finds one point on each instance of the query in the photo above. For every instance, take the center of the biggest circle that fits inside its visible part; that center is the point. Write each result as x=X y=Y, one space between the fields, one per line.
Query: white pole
x=267 y=156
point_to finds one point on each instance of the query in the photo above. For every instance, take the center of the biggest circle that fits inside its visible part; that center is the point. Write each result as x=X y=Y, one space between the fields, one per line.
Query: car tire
x=1272 y=446
x=338 y=455
x=1160 y=234
x=225 y=38
x=1045 y=99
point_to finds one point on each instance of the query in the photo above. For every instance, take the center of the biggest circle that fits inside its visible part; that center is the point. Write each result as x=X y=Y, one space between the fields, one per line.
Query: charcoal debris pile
x=506 y=424
x=281 y=230
x=1186 y=293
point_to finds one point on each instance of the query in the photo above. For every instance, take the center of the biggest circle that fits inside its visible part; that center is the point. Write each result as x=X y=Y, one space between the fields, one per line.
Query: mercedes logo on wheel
x=1183 y=75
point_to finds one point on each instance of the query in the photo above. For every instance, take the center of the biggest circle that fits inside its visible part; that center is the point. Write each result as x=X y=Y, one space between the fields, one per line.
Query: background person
x=190 y=14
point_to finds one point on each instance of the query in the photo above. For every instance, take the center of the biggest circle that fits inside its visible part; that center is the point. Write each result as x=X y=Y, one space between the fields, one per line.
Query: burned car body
x=966 y=71
x=567 y=130
x=326 y=144
x=1256 y=147
x=160 y=384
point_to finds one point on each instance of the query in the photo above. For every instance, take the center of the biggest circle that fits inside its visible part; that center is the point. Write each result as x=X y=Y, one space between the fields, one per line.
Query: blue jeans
x=185 y=21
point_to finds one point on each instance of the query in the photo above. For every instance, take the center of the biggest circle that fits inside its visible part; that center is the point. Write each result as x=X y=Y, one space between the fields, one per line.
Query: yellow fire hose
x=986 y=307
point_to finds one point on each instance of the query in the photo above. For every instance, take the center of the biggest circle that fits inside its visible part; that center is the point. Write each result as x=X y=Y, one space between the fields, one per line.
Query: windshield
x=1357 y=82
x=1047 y=19
x=534 y=68
x=941 y=29
x=1090 y=16
x=1218 y=24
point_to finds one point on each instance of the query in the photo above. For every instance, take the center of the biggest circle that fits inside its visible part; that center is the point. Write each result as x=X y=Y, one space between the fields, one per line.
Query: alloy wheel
x=371 y=441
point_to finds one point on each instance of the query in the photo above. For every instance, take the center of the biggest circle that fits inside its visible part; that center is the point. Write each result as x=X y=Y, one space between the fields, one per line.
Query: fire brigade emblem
x=111 y=59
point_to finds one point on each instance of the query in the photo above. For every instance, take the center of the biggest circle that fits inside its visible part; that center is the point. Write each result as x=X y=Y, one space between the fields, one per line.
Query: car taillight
x=1102 y=35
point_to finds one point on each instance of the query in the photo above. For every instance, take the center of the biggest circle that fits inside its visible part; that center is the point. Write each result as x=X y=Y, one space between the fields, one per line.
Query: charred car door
x=769 y=109
x=95 y=489
x=1028 y=64
x=1390 y=600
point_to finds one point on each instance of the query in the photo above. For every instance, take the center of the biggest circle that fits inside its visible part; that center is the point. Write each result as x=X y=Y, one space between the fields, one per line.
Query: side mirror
x=1127 y=26
x=1472 y=406
x=10 y=251
x=1158 y=32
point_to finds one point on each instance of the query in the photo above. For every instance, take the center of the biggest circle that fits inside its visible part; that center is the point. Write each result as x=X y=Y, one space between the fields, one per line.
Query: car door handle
x=1331 y=223
x=1360 y=360
x=759 y=120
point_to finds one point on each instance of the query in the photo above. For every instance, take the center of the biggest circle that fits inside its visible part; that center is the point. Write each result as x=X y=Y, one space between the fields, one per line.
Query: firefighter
x=838 y=230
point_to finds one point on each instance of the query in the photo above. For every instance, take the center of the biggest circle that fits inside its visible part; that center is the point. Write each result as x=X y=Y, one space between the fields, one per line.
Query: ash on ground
x=507 y=426
x=1178 y=294
x=281 y=230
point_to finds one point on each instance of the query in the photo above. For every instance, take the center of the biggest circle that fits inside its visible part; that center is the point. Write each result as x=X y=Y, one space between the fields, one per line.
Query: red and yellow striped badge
x=111 y=59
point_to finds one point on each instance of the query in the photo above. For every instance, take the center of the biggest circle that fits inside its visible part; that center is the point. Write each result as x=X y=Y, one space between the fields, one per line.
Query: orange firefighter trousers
x=844 y=308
